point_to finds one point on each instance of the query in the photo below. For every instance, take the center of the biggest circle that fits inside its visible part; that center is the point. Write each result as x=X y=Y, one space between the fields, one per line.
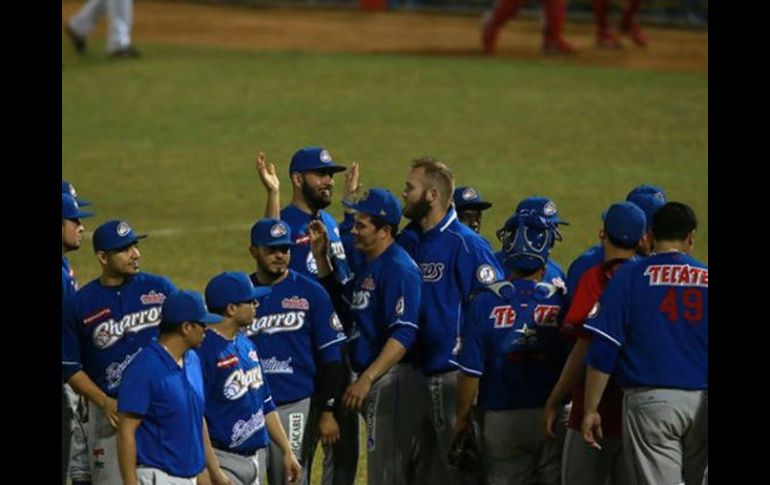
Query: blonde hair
x=438 y=176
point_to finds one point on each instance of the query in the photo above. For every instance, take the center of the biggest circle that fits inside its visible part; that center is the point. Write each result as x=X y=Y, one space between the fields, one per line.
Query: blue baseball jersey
x=384 y=303
x=302 y=260
x=454 y=261
x=587 y=260
x=171 y=401
x=553 y=272
x=237 y=396
x=68 y=283
x=295 y=329
x=650 y=326
x=511 y=342
x=105 y=327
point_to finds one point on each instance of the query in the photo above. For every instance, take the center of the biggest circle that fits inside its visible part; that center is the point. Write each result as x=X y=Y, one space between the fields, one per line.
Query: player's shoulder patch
x=594 y=310
x=400 y=307
x=486 y=273
x=335 y=323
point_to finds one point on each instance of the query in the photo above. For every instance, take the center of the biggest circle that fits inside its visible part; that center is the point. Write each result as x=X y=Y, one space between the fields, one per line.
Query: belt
x=221 y=446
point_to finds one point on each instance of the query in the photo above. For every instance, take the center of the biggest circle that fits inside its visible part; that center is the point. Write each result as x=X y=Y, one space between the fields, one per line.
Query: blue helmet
x=527 y=238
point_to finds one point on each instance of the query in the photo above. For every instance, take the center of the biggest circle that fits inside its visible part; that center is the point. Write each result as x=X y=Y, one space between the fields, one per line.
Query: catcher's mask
x=527 y=239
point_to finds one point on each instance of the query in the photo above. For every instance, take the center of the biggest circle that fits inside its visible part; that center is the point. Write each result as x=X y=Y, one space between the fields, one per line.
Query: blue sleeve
x=471 y=357
x=170 y=286
x=606 y=322
x=135 y=392
x=401 y=304
x=476 y=267
x=71 y=362
x=327 y=332
x=346 y=225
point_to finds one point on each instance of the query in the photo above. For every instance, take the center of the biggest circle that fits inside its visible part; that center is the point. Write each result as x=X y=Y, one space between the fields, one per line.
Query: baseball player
x=554 y=11
x=105 y=325
x=312 y=171
x=121 y=19
x=543 y=207
x=162 y=435
x=74 y=449
x=649 y=198
x=383 y=305
x=650 y=332
x=608 y=39
x=624 y=227
x=298 y=335
x=239 y=407
x=511 y=354
x=469 y=206
x=454 y=261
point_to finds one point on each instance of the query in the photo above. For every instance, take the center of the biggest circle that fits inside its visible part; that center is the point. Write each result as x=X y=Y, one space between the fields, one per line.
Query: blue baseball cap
x=313 y=158
x=68 y=188
x=70 y=208
x=542 y=206
x=625 y=222
x=649 y=203
x=271 y=232
x=114 y=234
x=379 y=203
x=187 y=306
x=232 y=287
x=468 y=198
x=645 y=189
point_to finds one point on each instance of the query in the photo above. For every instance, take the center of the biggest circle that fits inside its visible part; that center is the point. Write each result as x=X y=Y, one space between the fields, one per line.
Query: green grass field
x=169 y=142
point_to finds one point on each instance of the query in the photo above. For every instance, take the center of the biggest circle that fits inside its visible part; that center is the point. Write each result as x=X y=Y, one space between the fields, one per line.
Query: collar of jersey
x=443 y=224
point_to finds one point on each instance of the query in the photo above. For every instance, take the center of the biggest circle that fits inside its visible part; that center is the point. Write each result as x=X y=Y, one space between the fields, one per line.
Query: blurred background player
x=649 y=198
x=162 y=434
x=239 y=406
x=554 y=16
x=298 y=336
x=469 y=206
x=511 y=355
x=624 y=227
x=383 y=304
x=105 y=325
x=74 y=408
x=605 y=37
x=650 y=332
x=120 y=15
x=540 y=207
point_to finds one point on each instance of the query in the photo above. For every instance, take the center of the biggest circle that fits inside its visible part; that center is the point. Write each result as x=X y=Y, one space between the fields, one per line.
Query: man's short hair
x=673 y=222
x=439 y=177
x=379 y=223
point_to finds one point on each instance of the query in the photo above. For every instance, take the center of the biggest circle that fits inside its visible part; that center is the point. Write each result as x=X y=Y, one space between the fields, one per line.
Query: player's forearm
x=276 y=432
x=126 y=443
x=212 y=464
x=273 y=205
x=467 y=387
x=390 y=355
x=596 y=382
x=82 y=384
x=573 y=372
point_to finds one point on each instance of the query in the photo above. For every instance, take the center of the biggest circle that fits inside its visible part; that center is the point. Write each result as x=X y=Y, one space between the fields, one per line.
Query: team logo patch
x=360 y=300
x=594 y=311
x=73 y=193
x=470 y=193
x=549 y=208
x=253 y=355
x=295 y=303
x=278 y=230
x=228 y=361
x=368 y=284
x=302 y=240
x=243 y=430
x=458 y=346
x=526 y=331
x=153 y=298
x=325 y=157
x=103 y=313
x=504 y=316
x=431 y=272
x=113 y=373
x=275 y=366
x=334 y=322
x=310 y=263
x=277 y=322
x=400 y=307
x=110 y=331
x=486 y=274
x=239 y=382
x=123 y=229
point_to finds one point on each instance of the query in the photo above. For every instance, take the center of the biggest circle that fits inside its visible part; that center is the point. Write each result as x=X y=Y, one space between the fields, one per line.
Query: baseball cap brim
x=124 y=244
x=475 y=206
x=209 y=318
x=323 y=168
x=82 y=202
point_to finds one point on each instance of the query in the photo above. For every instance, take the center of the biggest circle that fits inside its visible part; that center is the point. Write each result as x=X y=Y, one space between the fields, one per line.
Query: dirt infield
x=393 y=32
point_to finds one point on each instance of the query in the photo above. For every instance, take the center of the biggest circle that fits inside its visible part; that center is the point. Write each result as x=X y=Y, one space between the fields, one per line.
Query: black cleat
x=128 y=52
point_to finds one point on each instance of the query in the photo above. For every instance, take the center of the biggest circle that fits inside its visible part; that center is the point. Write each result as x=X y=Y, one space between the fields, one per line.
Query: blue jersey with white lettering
x=553 y=272
x=295 y=329
x=237 y=396
x=105 y=327
x=302 y=260
x=170 y=400
x=68 y=283
x=511 y=342
x=384 y=303
x=587 y=260
x=651 y=324
x=454 y=261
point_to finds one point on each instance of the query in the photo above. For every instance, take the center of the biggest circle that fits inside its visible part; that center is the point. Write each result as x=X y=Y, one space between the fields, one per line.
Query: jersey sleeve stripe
x=341 y=339
x=401 y=322
x=466 y=369
x=599 y=332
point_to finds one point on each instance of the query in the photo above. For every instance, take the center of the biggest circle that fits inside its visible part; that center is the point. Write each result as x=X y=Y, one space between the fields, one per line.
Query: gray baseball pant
x=294 y=418
x=583 y=465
